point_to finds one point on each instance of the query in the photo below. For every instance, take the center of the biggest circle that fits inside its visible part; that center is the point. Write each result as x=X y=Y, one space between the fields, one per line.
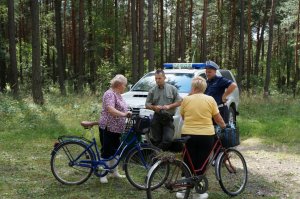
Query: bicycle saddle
x=88 y=124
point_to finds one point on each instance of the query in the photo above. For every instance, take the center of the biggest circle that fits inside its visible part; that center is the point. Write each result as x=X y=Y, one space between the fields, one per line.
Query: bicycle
x=171 y=175
x=75 y=158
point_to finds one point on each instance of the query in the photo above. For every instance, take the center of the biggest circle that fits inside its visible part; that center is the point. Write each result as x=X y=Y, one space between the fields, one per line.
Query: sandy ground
x=278 y=167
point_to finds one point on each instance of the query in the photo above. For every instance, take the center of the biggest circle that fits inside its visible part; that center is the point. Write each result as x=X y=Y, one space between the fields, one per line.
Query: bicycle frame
x=216 y=149
x=96 y=152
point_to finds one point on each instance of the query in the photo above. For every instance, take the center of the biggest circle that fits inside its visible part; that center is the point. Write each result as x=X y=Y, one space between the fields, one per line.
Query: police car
x=179 y=75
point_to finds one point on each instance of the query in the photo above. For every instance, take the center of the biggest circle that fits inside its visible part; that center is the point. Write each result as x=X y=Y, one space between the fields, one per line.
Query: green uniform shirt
x=166 y=95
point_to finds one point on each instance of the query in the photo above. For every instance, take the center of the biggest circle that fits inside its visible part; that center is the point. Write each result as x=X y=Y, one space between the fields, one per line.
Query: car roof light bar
x=184 y=65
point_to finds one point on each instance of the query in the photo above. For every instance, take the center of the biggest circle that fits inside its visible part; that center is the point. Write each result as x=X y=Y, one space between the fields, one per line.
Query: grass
x=28 y=131
x=276 y=119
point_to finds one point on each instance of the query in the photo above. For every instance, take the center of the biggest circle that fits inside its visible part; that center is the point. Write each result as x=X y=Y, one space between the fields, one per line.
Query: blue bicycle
x=75 y=158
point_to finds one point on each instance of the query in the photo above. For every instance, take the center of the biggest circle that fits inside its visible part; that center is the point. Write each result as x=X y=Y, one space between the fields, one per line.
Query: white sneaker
x=200 y=196
x=103 y=180
x=116 y=174
x=180 y=195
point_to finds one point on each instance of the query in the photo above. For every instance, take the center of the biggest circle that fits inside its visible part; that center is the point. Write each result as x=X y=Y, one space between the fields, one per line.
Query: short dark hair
x=159 y=71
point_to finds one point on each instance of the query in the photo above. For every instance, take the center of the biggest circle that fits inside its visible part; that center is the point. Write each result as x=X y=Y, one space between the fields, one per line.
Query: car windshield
x=182 y=81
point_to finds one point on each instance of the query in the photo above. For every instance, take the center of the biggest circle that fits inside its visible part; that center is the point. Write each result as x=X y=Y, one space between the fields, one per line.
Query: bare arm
x=115 y=112
x=170 y=106
x=219 y=120
x=228 y=91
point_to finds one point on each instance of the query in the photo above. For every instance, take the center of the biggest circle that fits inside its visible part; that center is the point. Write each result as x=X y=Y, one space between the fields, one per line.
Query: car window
x=203 y=75
x=182 y=81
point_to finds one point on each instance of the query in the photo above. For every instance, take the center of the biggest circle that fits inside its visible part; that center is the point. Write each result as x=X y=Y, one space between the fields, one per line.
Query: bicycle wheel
x=169 y=179
x=232 y=172
x=67 y=163
x=137 y=164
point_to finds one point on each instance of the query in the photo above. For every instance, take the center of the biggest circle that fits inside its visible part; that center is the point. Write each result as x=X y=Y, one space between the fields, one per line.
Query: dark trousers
x=224 y=112
x=162 y=131
x=110 y=142
x=199 y=147
x=101 y=139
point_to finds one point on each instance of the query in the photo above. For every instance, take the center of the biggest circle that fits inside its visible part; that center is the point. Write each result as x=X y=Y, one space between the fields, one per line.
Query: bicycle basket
x=230 y=137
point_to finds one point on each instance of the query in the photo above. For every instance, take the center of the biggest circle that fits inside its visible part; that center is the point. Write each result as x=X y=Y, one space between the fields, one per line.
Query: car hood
x=137 y=99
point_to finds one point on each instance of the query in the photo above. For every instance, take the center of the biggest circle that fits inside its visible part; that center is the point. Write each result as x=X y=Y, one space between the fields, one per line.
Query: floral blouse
x=114 y=124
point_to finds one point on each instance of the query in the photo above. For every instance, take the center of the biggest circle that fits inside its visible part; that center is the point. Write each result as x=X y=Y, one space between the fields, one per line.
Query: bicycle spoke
x=67 y=171
x=169 y=179
x=233 y=172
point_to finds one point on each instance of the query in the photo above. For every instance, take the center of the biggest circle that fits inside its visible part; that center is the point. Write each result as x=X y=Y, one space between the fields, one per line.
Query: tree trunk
x=81 y=65
x=260 y=39
x=177 y=30
x=204 y=32
x=141 y=39
x=297 y=69
x=91 y=50
x=74 y=47
x=161 y=32
x=59 y=47
x=231 y=34
x=219 y=37
x=2 y=58
x=150 y=36
x=190 y=22
x=269 y=54
x=21 y=24
x=182 y=32
x=36 y=67
x=249 y=51
x=134 y=42
x=12 y=49
x=240 y=68
x=66 y=41
x=117 y=37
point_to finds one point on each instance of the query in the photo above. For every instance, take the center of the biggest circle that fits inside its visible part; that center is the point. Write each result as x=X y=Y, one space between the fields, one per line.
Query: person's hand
x=128 y=114
x=157 y=108
x=166 y=107
x=224 y=98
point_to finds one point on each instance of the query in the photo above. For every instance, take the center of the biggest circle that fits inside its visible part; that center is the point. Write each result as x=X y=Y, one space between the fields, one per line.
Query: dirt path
x=273 y=170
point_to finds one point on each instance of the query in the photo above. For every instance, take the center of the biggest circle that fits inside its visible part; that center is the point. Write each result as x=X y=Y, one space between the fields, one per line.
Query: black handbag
x=142 y=124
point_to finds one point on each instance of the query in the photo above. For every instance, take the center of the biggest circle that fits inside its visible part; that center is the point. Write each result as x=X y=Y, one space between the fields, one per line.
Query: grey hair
x=118 y=79
x=199 y=84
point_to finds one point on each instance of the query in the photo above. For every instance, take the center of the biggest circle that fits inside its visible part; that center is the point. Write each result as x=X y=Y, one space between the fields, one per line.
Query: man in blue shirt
x=219 y=88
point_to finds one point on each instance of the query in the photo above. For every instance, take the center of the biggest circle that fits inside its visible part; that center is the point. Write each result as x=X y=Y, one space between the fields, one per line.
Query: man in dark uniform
x=219 y=88
x=163 y=100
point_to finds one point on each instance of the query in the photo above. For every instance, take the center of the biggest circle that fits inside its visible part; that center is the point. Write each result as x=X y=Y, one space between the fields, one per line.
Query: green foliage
x=276 y=119
x=58 y=116
x=28 y=132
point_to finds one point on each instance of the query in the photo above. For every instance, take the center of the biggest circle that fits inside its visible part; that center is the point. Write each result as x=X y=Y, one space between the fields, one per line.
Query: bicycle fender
x=217 y=165
x=65 y=141
x=151 y=171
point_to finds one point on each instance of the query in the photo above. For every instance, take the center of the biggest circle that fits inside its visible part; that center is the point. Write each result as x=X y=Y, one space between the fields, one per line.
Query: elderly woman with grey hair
x=113 y=120
x=197 y=111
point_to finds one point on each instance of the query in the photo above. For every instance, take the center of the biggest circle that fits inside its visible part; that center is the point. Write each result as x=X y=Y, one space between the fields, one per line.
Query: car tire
x=232 y=115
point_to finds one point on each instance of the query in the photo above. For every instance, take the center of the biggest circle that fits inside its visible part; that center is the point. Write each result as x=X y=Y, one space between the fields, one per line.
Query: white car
x=179 y=75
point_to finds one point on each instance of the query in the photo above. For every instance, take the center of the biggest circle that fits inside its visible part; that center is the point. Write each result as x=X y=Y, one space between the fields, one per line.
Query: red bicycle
x=170 y=175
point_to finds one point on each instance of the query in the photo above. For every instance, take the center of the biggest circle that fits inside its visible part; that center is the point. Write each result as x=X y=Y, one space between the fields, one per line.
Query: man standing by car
x=163 y=100
x=219 y=88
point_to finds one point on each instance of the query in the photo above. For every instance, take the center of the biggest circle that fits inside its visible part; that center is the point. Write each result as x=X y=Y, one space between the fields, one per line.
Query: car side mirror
x=129 y=86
